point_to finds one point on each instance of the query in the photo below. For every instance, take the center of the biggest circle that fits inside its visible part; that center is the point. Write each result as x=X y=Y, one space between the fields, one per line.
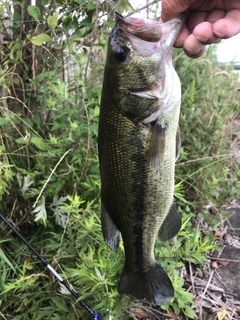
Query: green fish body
x=138 y=146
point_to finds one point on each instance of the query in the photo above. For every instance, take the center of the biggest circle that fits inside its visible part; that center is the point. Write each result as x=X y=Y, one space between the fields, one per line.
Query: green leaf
x=5 y=259
x=34 y=12
x=22 y=141
x=17 y=18
x=38 y=142
x=16 y=80
x=40 y=39
x=3 y=121
x=66 y=24
x=77 y=35
x=41 y=213
x=125 y=5
x=189 y=313
x=53 y=21
x=19 y=3
x=92 y=6
x=59 y=304
x=58 y=46
x=40 y=77
x=24 y=182
x=87 y=22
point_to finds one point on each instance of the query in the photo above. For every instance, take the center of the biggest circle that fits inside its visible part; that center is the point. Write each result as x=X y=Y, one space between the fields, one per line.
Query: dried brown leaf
x=223 y=262
x=139 y=313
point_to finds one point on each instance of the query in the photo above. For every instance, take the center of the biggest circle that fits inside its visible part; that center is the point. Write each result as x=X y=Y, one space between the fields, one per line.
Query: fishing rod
x=60 y=279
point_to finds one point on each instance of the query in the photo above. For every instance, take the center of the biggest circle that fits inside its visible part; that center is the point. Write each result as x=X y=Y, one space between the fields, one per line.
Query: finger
x=171 y=8
x=192 y=47
x=195 y=18
x=197 y=55
x=181 y=37
x=204 y=33
x=229 y=26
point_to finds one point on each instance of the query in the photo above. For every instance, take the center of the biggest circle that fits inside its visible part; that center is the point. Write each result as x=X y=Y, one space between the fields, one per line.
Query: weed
x=49 y=173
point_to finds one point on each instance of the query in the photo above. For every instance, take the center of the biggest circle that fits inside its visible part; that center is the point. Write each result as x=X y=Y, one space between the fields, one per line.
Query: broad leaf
x=38 y=142
x=53 y=21
x=22 y=140
x=3 y=121
x=34 y=12
x=40 y=39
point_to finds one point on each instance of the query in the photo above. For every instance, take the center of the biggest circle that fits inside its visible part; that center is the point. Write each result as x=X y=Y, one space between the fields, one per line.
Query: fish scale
x=138 y=138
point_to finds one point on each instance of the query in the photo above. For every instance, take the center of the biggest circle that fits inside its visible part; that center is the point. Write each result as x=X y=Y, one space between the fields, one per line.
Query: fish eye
x=121 y=53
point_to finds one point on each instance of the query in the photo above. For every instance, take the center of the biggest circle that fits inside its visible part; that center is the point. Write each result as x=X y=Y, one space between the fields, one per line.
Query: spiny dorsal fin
x=171 y=225
x=110 y=232
x=157 y=145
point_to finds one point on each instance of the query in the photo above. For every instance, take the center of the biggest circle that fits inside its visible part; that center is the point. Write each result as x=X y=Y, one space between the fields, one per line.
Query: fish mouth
x=144 y=29
x=151 y=30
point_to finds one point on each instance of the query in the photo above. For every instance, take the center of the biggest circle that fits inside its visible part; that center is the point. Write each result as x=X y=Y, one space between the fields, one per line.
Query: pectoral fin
x=144 y=94
x=178 y=143
x=157 y=145
x=171 y=225
x=110 y=232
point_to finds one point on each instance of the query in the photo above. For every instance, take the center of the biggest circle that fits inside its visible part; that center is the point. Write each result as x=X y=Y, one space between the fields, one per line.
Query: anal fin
x=110 y=232
x=171 y=225
x=157 y=145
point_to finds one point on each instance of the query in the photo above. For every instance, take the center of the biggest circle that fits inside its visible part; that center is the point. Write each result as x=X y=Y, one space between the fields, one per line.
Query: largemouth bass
x=138 y=146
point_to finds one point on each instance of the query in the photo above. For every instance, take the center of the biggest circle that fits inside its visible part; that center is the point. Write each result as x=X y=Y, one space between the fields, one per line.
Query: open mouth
x=148 y=30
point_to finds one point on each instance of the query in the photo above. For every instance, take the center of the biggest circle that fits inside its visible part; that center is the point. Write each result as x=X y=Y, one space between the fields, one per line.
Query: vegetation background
x=52 y=58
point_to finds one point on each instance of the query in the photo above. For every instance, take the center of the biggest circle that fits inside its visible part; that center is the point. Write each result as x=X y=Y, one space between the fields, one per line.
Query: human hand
x=208 y=21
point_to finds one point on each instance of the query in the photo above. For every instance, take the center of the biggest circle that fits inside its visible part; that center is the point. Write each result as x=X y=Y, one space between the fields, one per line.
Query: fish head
x=139 y=56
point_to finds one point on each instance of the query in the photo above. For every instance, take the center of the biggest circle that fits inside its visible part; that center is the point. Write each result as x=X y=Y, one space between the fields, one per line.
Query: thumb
x=172 y=8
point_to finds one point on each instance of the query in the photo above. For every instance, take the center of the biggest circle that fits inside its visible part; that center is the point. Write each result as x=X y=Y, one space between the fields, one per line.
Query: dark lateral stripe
x=139 y=178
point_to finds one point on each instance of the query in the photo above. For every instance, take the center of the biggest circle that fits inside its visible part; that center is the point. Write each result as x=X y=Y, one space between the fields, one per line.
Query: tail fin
x=153 y=285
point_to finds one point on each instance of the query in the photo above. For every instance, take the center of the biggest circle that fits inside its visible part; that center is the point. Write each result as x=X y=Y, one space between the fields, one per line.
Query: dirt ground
x=219 y=295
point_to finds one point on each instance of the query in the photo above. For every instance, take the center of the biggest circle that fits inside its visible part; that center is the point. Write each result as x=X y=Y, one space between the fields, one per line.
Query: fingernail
x=193 y=50
x=178 y=44
x=218 y=34
x=201 y=39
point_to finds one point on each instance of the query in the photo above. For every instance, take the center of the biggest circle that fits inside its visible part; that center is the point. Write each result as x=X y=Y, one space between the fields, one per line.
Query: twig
x=14 y=98
x=207 y=158
x=208 y=283
x=142 y=8
x=17 y=224
x=93 y=40
x=191 y=277
x=202 y=283
x=48 y=179
x=223 y=259
x=217 y=275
